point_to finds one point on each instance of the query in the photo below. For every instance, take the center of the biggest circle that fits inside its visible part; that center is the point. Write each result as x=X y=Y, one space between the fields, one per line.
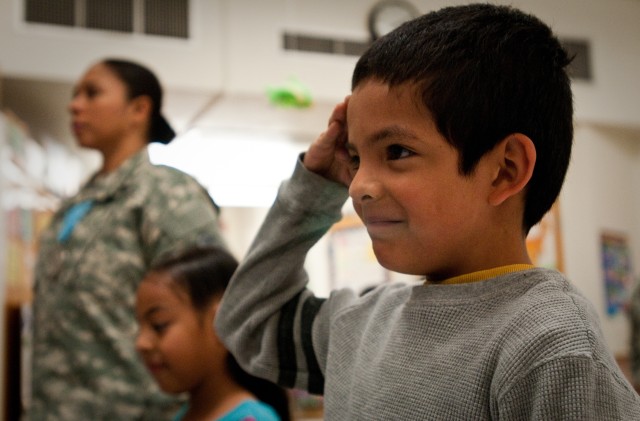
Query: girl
x=176 y=307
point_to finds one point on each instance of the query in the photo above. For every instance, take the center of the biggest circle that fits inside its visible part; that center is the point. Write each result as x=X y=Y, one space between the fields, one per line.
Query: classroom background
x=248 y=85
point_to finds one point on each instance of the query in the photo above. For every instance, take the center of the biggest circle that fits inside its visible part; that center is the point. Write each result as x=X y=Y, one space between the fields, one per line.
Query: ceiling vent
x=152 y=17
x=325 y=45
x=580 y=50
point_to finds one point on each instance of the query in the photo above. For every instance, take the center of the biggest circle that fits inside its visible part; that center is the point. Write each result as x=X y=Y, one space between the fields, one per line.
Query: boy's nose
x=365 y=185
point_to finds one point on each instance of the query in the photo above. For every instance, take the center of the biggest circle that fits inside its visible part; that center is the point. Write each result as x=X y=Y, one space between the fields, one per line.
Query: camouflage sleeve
x=179 y=214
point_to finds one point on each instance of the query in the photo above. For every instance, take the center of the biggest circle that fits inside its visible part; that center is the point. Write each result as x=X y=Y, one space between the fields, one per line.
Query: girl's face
x=177 y=343
x=101 y=113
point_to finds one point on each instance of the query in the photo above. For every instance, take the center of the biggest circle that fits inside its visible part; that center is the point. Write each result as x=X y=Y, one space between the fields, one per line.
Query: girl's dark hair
x=141 y=81
x=264 y=390
x=204 y=273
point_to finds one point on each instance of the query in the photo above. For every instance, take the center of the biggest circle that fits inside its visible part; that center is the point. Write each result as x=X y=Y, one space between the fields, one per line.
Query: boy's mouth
x=370 y=218
x=378 y=226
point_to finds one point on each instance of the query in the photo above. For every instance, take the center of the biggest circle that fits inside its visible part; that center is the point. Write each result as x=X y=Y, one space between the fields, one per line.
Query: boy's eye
x=397 y=152
x=354 y=162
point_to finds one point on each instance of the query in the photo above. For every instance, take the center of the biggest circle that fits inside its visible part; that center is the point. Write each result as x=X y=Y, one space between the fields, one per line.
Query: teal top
x=248 y=410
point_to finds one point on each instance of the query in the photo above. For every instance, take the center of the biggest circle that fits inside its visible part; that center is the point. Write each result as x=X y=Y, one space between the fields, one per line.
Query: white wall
x=237 y=47
x=611 y=26
x=61 y=53
x=613 y=97
x=601 y=195
x=327 y=76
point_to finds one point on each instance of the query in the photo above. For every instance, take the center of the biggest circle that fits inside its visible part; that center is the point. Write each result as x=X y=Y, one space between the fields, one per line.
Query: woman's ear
x=516 y=158
x=141 y=107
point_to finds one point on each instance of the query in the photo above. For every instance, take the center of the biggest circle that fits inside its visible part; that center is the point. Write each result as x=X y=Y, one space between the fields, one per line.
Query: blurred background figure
x=98 y=246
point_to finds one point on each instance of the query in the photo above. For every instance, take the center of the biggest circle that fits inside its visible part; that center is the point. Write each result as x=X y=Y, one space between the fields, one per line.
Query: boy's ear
x=516 y=158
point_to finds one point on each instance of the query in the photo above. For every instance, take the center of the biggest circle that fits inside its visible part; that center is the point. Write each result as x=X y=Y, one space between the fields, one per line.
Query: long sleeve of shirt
x=273 y=279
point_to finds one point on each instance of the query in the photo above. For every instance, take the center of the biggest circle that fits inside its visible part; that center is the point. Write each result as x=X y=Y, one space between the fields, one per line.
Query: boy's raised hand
x=327 y=155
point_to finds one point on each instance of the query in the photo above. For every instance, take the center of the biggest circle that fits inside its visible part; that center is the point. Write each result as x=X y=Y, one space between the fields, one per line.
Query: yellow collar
x=482 y=275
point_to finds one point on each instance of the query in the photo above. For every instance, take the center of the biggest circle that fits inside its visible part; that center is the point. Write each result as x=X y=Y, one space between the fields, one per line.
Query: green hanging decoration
x=292 y=93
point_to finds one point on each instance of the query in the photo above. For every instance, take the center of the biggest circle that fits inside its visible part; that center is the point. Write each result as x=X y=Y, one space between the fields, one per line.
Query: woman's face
x=101 y=113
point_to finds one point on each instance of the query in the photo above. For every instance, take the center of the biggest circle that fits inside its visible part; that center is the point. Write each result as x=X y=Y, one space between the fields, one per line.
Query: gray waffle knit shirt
x=526 y=345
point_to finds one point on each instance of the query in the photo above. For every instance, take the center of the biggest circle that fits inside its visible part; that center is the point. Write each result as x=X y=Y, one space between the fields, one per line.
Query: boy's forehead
x=377 y=111
x=377 y=98
x=411 y=91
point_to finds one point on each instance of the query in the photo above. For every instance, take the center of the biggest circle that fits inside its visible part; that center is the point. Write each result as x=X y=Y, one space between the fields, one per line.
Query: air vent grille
x=112 y=15
x=166 y=17
x=325 y=45
x=153 y=17
x=580 y=68
x=60 y=12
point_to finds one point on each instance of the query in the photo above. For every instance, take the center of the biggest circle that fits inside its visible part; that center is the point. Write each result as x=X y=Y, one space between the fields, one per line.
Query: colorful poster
x=617 y=271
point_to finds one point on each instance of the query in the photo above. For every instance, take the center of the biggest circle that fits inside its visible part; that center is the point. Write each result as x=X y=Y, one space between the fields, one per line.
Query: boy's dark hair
x=140 y=81
x=484 y=72
x=204 y=273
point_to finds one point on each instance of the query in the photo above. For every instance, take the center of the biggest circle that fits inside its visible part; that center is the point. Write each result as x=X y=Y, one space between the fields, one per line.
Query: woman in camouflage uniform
x=98 y=246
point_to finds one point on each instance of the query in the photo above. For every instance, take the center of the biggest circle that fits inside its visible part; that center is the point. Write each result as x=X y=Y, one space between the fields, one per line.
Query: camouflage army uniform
x=85 y=366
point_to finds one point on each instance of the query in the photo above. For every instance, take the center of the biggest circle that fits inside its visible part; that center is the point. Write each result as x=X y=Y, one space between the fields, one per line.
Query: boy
x=454 y=142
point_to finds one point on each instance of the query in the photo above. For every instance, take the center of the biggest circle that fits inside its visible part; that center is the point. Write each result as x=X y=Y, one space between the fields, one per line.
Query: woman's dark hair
x=141 y=81
x=204 y=273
